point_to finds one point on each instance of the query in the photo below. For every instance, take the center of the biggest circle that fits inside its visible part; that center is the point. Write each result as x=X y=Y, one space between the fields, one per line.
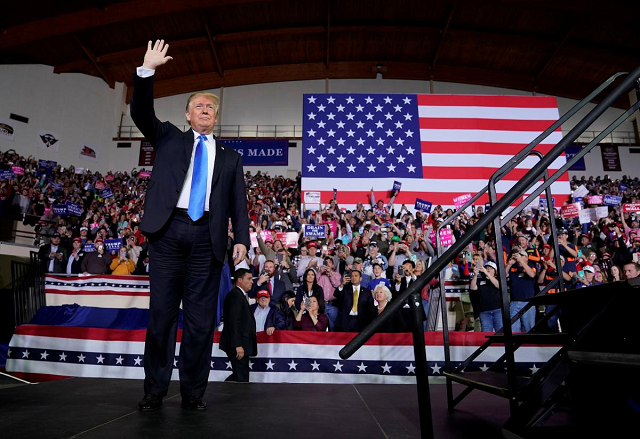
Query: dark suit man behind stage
x=353 y=318
x=187 y=241
x=238 y=338
x=53 y=255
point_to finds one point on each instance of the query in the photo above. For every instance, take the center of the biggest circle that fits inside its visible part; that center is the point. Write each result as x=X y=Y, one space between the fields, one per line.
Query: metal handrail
x=529 y=179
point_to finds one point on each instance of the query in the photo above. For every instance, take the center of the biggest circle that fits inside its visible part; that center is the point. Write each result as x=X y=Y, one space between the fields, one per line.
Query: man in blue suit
x=268 y=281
x=197 y=184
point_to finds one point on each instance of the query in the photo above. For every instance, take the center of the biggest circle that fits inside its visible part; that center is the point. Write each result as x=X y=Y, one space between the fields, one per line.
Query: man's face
x=245 y=282
x=77 y=245
x=373 y=250
x=270 y=268
x=630 y=271
x=377 y=270
x=355 y=278
x=263 y=301
x=523 y=242
x=201 y=114
x=407 y=269
x=55 y=240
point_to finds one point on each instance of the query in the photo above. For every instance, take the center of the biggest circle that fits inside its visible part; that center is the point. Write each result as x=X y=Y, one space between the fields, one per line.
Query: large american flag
x=438 y=146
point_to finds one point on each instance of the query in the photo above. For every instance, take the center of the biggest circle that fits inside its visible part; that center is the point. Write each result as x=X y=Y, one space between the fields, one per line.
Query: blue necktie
x=198 y=181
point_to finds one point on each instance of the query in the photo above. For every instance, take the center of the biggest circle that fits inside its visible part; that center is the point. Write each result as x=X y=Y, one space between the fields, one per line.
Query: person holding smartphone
x=311 y=316
x=122 y=264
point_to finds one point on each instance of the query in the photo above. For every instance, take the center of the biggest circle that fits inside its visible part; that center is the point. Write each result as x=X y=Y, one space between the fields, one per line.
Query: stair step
x=491 y=382
x=605 y=358
x=534 y=338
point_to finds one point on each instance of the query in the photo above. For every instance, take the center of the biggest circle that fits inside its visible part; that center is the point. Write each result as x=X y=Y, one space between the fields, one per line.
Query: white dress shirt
x=210 y=143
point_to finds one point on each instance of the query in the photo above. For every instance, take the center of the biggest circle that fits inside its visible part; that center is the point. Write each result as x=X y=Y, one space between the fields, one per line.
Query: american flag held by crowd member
x=438 y=146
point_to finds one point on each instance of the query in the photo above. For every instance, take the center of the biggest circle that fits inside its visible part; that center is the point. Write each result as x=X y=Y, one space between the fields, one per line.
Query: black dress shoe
x=194 y=403
x=150 y=402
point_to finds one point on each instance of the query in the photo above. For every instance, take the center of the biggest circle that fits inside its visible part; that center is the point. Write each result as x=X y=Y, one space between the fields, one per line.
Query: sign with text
x=312 y=200
x=147 y=154
x=314 y=231
x=542 y=202
x=587 y=215
x=144 y=174
x=582 y=191
x=602 y=212
x=446 y=237
x=612 y=200
x=610 y=158
x=113 y=244
x=60 y=209
x=74 y=208
x=595 y=199
x=570 y=152
x=18 y=170
x=396 y=186
x=631 y=207
x=423 y=206
x=460 y=201
x=288 y=239
x=6 y=174
x=261 y=152
x=570 y=210
x=106 y=193
x=79 y=171
x=47 y=164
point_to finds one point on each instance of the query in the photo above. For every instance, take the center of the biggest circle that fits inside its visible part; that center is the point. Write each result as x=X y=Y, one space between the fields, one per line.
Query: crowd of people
x=368 y=256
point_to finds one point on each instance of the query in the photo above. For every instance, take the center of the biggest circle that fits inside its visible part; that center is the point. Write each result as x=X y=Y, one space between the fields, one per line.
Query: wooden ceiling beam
x=443 y=35
x=268 y=33
x=558 y=46
x=73 y=66
x=212 y=45
x=327 y=42
x=91 y=18
x=138 y=52
x=106 y=75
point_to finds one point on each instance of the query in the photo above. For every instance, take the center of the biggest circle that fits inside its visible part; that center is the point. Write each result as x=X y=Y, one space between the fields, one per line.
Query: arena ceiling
x=557 y=47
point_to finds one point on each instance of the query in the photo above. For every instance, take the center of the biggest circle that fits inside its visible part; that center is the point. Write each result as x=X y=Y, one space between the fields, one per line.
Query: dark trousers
x=181 y=268
x=240 y=368
x=350 y=324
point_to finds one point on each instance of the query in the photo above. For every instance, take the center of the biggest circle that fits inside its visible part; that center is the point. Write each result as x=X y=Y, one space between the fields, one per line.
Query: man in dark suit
x=353 y=318
x=238 y=338
x=187 y=240
x=269 y=282
x=53 y=255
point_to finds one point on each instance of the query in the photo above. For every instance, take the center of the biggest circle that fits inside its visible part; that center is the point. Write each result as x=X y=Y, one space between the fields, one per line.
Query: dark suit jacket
x=344 y=301
x=275 y=317
x=276 y=294
x=228 y=198
x=239 y=325
x=59 y=265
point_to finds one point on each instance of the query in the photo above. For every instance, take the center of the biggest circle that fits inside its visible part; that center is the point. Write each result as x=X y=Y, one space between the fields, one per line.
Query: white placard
x=580 y=192
x=312 y=200
x=602 y=211
x=587 y=215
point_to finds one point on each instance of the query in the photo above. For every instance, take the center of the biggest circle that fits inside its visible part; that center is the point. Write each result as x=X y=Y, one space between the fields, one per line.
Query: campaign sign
x=335 y=193
x=100 y=185
x=460 y=201
x=612 y=200
x=446 y=237
x=542 y=202
x=57 y=186
x=571 y=151
x=570 y=210
x=587 y=215
x=113 y=244
x=6 y=175
x=631 y=207
x=602 y=212
x=288 y=239
x=18 y=170
x=333 y=226
x=106 y=193
x=60 y=209
x=89 y=247
x=144 y=174
x=314 y=231
x=396 y=186
x=109 y=177
x=623 y=187
x=47 y=163
x=74 y=208
x=312 y=200
x=487 y=206
x=79 y=171
x=594 y=199
x=422 y=205
x=579 y=200
x=580 y=192
x=88 y=186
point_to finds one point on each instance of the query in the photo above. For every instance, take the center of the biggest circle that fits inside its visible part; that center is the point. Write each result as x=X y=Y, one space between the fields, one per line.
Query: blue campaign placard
x=578 y=200
x=57 y=186
x=47 y=163
x=113 y=244
x=89 y=247
x=623 y=187
x=543 y=202
x=74 y=208
x=612 y=200
x=7 y=174
x=88 y=186
x=396 y=186
x=314 y=231
x=423 y=206
x=106 y=193
x=60 y=209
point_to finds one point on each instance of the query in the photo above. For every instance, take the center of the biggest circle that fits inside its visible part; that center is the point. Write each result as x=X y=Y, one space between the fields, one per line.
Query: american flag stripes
x=438 y=146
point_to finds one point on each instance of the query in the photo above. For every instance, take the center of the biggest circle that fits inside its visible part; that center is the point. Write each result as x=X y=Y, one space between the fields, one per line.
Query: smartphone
x=579 y=253
x=581 y=274
x=324 y=248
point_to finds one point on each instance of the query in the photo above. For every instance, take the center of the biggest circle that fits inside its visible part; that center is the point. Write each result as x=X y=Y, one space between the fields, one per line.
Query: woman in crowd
x=382 y=297
x=616 y=274
x=288 y=307
x=308 y=288
x=122 y=264
x=311 y=316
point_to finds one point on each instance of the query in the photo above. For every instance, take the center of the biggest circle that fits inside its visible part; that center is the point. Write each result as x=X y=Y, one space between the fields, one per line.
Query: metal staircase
x=527 y=397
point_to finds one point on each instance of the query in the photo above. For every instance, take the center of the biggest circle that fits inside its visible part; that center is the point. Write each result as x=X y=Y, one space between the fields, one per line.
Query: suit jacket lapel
x=187 y=146
x=217 y=167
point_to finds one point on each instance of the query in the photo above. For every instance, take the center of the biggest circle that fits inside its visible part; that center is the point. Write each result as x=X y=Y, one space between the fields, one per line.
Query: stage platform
x=107 y=408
